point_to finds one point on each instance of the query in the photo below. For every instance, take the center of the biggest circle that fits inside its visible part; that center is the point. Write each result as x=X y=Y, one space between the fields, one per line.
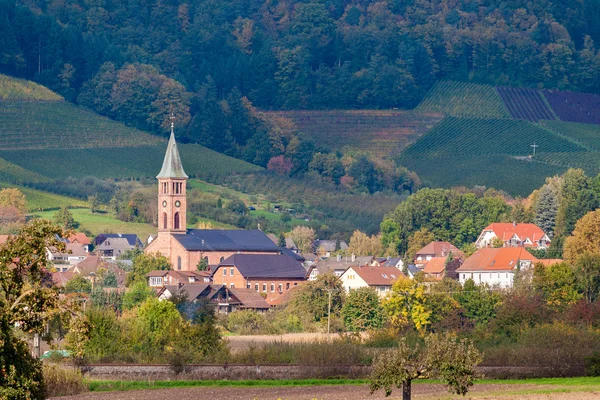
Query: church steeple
x=172 y=167
x=172 y=204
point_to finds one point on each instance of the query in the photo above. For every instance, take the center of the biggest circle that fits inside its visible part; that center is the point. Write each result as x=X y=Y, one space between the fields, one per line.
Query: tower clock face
x=164 y=203
x=177 y=203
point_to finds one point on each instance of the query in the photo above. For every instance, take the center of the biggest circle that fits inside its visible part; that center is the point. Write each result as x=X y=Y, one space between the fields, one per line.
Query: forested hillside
x=300 y=54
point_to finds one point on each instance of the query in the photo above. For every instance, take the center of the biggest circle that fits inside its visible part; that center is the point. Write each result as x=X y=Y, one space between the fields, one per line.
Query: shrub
x=592 y=364
x=60 y=381
x=248 y=322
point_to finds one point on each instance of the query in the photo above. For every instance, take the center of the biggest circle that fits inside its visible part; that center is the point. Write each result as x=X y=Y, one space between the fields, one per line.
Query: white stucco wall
x=493 y=278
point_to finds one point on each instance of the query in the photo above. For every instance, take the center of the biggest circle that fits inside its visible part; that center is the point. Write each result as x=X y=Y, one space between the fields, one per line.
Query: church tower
x=172 y=205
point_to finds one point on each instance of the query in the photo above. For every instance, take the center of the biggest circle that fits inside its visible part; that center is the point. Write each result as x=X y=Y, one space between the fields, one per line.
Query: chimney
x=514 y=223
x=353 y=258
x=339 y=258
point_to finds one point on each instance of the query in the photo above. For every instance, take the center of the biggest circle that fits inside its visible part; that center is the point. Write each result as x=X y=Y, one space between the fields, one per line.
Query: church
x=185 y=248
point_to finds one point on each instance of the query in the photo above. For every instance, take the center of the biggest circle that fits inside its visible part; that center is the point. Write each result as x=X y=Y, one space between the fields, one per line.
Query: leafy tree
x=144 y=263
x=137 y=294
x=304 y=238
x=27 y=298
x=109 y=280
x=202 y=264
x=78 y=284
x=11 y=197
x=312 y=298
x=587 y=275
x=64 y=218
x=577 y=199
x=363 y=245
x=94 y=203
x=237 y=206
x=586 y=237
x=479 y=302
x=449 y=359
x=556 y=283
x=407 y=305
x=362 y=310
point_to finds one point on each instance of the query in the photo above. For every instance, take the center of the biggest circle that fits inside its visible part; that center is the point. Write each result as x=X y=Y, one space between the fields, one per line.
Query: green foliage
x=557 y=285
x=447 y=358
x=63 y=217
x=451 y=216
x=592 y=365
x=78 y=284
x=246 y=322
x=313 y=297
x=104 y=334
x=362 y=310
x=479 y=302
x=137 y=294
x=585 y=134
x=464 y=99
x=144 y=263
x=76 y=339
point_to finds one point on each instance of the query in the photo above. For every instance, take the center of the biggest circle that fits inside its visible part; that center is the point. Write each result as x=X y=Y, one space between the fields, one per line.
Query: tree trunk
x=406 y=390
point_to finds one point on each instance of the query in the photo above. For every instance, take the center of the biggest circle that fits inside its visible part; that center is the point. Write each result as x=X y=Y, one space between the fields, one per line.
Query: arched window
x=179 y=263
x=176 y=221
x=164 y=220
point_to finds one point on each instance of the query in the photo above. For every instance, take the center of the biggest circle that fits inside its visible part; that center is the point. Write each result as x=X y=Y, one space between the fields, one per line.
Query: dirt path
x=420 y=391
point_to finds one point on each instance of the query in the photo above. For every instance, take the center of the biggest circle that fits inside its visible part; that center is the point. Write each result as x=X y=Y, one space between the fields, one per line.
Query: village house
x=159 y=279
x=324 y=248
x=269 y=274
x=112 y=248
x=433 y=250
x=186 y=248
x=495 y=266
x=93 y=267
x=339 y=265
x=379 y=278
x=74 y=253
x=132 y=239
x=82 y=239
x=513 y=235
x=438 y=268
x=223 y=299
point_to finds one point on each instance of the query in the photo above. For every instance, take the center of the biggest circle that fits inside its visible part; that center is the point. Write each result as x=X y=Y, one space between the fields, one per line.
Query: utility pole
x=535 y=146
x=329 y=312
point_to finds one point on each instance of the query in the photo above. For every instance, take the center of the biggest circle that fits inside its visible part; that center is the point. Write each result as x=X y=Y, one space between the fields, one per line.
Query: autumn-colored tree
x=304 y=237
x=27 y=298
x=587 y=275
x=12 y=197
x=407 y=305
x=557 y=285
x=416 y=242
x=440 y=356
x=363 y=245
x=280 y=165
x=586 y=237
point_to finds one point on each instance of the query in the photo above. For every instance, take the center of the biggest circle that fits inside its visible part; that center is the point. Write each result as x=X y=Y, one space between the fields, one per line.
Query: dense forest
x=307 y=54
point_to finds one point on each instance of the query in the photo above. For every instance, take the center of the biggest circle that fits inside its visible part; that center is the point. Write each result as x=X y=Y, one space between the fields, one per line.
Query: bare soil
x=348 y=392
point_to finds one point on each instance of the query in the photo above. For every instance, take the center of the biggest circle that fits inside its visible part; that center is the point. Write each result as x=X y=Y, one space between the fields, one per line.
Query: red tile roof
x=79 y=237
x=378 y=276
x=496 y=259
x=506 y=230
x=436 y=265
x=439 y=249
x=60 y=279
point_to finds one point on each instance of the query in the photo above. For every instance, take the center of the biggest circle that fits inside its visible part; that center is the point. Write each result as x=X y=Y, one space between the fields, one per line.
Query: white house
x=380 y=278
x=513 y=235
x=74 y=254
x=495 y=266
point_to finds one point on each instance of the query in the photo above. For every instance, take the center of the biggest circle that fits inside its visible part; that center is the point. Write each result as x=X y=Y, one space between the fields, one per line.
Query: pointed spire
x=172 y=167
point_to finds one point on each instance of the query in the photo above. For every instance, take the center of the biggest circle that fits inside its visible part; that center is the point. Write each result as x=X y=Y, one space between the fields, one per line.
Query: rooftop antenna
x=535 y=146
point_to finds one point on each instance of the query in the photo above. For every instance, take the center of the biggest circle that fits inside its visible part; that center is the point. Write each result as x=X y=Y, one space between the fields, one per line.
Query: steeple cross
x=172 y=118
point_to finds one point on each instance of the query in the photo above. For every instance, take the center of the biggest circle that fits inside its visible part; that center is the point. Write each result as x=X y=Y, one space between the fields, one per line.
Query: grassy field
x=38 y=200
x=464 y=99
x=13 y=89
x=97 y=223
x=378 y=132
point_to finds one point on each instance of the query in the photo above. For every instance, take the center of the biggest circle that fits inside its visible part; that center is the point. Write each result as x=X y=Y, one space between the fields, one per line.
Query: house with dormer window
x=513 y=235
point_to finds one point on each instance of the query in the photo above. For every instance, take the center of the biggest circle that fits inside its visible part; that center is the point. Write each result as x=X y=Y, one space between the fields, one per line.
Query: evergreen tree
x=281 y=240
x=545 y=213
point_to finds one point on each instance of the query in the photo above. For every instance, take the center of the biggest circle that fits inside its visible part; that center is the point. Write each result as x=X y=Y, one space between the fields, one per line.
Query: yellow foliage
x=407 y=305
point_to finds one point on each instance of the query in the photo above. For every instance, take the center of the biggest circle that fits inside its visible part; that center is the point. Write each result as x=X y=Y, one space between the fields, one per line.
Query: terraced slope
x=38 y=200
x=48 y=125
x=464 y=99
x=123 y=162
x=379 y=132
x=527 y=104
x=586 y=134
x=574 y=107
x=13 y=89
